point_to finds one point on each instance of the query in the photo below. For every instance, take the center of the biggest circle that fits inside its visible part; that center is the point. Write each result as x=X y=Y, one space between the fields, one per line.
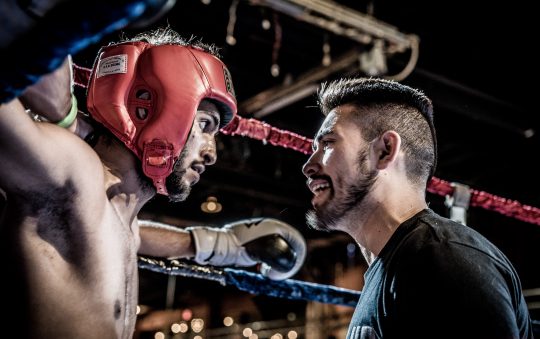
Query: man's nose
x=311 y=166
x=208 y=152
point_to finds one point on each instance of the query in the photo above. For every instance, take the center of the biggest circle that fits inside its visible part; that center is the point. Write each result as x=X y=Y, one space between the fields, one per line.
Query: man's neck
x=373 y=223
x=127 y=191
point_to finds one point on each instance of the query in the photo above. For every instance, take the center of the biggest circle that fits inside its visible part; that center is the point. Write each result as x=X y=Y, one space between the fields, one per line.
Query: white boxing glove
x=277 y=246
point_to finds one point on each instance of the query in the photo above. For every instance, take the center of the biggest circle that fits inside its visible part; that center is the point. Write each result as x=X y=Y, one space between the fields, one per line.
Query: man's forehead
x=207 y=105
x=211 y=108
x=341 y=115
x=328 y=123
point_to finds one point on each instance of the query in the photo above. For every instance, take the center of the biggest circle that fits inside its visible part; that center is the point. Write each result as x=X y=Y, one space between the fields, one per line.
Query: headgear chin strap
x=148 y=95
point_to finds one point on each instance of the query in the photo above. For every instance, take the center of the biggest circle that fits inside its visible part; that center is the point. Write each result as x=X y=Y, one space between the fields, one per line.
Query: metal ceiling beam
x=277 y=97
x=339 y=20
x=343 y=21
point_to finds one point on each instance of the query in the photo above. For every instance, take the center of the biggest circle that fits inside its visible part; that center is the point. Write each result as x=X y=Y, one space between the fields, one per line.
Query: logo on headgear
x=228 y=81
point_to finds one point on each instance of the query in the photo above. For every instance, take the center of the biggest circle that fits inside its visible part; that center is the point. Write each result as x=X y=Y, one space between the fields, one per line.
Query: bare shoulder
x=84 y=168
x=36 y=157
x=81 y=160
x=71 y=170
x=58 y=202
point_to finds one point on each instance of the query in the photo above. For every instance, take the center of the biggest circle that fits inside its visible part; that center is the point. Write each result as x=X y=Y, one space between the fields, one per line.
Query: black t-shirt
x=436 y=278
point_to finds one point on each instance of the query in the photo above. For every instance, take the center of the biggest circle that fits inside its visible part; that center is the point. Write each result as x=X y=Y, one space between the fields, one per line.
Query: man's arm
x=37 y=154
x=28 y=153
x=52 y=97
x=277 y=246
x=165 y=241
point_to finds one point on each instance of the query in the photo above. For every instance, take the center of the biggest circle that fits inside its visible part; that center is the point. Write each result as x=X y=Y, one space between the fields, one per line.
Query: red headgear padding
x=148 y=95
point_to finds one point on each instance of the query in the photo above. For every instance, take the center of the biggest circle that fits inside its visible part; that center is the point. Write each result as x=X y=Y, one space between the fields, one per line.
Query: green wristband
x=72 y=115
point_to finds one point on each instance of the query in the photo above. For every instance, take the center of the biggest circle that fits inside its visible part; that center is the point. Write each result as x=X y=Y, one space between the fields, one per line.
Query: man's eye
x=325 y=144
x=208 y=121
x=203 y=124
x=207 y=125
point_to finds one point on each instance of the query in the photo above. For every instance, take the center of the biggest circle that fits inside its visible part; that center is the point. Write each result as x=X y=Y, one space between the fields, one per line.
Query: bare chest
x=69 y=262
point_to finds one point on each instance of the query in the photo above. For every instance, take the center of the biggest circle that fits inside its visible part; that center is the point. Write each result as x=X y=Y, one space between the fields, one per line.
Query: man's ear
x=387 y=147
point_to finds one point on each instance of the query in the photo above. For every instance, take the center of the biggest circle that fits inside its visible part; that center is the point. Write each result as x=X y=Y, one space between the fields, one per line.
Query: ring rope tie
x=259 y=130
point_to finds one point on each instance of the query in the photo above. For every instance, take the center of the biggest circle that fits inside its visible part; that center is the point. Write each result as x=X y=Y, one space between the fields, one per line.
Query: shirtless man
x=69 y=230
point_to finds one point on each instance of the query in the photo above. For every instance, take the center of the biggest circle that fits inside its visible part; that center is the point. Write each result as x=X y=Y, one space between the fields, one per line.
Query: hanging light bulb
x=230 y=39
x=274 y=70
x=266 y=24
x=327 y=59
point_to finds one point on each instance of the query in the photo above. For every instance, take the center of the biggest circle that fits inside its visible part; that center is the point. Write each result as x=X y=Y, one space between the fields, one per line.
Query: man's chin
x=178 y=187
x=178 y=193
x=315 y=220
x=178 y=197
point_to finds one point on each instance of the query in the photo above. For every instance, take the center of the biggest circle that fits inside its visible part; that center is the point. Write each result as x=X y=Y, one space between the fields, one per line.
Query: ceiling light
x=211 y=205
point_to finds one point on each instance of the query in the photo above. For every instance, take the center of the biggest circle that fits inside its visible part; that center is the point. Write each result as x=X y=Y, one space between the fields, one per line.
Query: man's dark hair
x=388 y=105
x=167 y=36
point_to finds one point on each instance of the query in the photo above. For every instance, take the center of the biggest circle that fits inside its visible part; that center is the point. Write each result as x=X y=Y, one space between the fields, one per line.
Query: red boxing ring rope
x=259 y=130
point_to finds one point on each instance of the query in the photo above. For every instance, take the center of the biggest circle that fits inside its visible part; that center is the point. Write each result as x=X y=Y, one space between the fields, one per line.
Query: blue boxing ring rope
x=260 y=285
x=255 y=283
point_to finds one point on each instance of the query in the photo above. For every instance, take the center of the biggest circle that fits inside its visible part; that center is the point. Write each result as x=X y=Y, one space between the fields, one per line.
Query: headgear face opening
x=148 y=95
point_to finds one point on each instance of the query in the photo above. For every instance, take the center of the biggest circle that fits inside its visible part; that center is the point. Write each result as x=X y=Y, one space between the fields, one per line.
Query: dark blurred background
x=476 y=62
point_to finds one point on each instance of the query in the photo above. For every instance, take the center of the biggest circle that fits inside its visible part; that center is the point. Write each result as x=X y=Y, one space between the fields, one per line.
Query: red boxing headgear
x=147 y=96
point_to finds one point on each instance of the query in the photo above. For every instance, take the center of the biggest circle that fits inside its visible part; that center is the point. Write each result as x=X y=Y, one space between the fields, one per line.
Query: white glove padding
x=279 y=247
